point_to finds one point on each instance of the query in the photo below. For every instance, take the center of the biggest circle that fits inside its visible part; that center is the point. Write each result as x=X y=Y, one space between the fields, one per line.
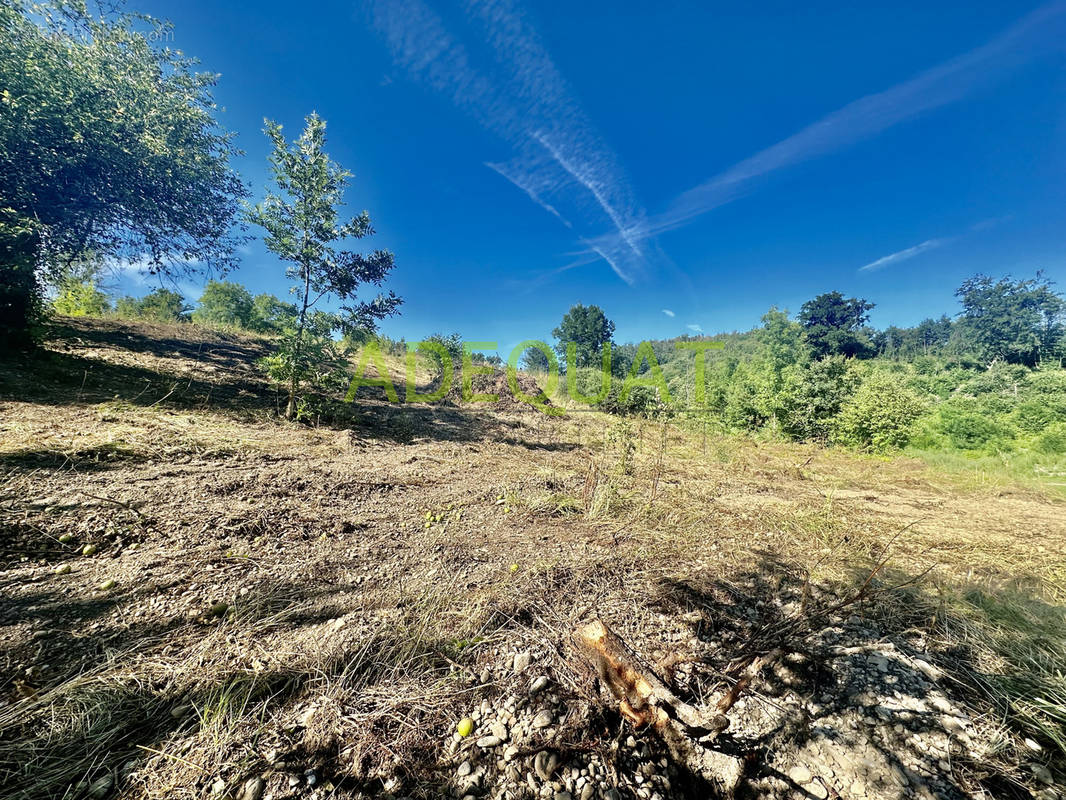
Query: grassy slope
x=327 y=595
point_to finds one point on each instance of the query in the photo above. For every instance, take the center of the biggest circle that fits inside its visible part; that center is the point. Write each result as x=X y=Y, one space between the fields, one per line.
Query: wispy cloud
x=903 y=255
x=1040 y=32
x=514 y=90
x=695 y=328
x=669 y=313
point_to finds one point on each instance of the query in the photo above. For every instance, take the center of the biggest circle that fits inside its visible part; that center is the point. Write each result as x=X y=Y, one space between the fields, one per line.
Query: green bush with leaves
x=880 y=415
x=318 y=361
x=812 y=397
x=970 y=430
x=271 y=315
x=224 y=304
x=303 y=227
x=1052 y=441
x=159 y=305
x=81 y=299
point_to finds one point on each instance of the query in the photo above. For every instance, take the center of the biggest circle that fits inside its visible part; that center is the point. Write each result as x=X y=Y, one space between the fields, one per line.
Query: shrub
x=226 y=304
x=159 y=305
x=1053 y=440
x=81 y=299
x=880 y=414
x=967 y=430
x=812 y=397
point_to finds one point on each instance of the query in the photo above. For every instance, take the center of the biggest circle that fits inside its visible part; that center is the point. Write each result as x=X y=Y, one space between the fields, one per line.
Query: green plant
x=811 y=398
x=879 y=415
x=81 y=299
x=226 y=304
x=108 y=144
x=159 y=305
x=303 y=227
x=1053 y=440
x=966 y=430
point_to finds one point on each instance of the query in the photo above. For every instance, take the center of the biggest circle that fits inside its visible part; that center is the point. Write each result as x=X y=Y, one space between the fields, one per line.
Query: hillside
x=202 y=599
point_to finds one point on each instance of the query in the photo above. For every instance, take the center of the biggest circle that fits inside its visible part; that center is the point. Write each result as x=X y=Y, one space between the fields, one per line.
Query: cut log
x=645 y=700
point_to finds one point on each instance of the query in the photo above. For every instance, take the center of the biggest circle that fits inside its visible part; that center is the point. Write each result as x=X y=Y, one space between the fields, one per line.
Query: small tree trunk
x=19 y=291
x=294 y=381
x=645 y=700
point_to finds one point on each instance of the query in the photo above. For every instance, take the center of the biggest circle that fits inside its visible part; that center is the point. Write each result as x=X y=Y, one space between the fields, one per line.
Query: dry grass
x=365 y=583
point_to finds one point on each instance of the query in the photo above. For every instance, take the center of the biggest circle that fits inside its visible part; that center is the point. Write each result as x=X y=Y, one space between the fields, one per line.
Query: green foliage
x=589 y=328
x=225 y=304
x=317 y=361
x=303 y=228
x=969 y=430
x=1053 y=440
x=271 y=315
x=159 y=305
x=81 y=299
x=836 y=326
x=880 y=415
x=452 y=342
x=107 y=143
x=812 y=397
x=1021 y=322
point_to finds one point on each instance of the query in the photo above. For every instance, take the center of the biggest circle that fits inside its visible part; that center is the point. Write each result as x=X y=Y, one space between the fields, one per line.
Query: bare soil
x=201 y=599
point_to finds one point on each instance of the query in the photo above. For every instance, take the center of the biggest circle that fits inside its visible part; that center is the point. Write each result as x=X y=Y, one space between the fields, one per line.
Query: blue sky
x=519 y=157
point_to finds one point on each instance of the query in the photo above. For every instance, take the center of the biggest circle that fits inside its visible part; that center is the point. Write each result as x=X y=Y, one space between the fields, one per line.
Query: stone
x=563 y=796
x=543 y=719
x=544 y=764
x=102 y=788
x=252 y=789
x=499 y=730
x=587 y=791
x=522 y=661
x=539 y=684
x=1042 y=774
x=486 y=675
x=487 y=742
x=464 y=769
x=800 y=775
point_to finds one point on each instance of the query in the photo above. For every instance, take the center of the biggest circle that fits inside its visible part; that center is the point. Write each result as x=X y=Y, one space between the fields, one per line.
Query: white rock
x=543 y=719
x=521 y=661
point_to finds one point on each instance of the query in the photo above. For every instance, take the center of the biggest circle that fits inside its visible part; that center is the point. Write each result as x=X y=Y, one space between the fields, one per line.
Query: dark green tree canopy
x=589 y=328
x=836 y=325
x=1021 y=322
x=225 y=303
x=108 y=143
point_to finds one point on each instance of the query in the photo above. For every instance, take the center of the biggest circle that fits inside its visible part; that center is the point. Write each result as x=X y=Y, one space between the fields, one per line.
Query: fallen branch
x=645 y=700
x=119 y=503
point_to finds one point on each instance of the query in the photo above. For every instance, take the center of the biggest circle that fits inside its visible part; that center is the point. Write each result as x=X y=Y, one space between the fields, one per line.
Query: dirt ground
x=203 y=600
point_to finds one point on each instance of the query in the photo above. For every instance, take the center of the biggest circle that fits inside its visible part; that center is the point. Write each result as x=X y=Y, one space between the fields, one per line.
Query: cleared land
x=201 y=599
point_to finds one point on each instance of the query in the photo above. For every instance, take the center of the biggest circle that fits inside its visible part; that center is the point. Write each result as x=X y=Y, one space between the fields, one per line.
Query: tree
x=835 y=325
x=159 y=305
x=1021 y=322
x=302 y=228
x=535 y=360
x=225 y=303
x=81 y=299
x=108 y=144
x=587 y=327
x=271 y=315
